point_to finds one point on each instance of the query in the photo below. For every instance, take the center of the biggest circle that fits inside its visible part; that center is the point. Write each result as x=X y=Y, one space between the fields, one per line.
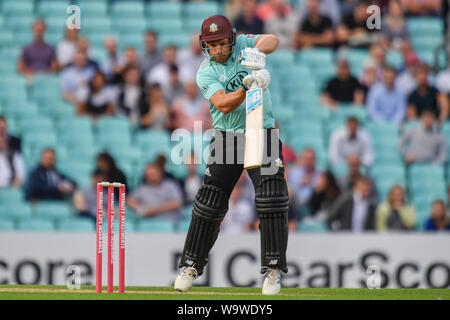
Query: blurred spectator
x=368 y=76
x=351 y=140
x=95 y=99
x=248 y=22
x=160 y=73
x=12 y=166
x=191 y=107
x=112 y=64
x=406 y=79
x=152 y=55
x=422 y=143
x=129 y=59
x=75 y=76
x=355 y=171
x=106 y=164
x=193 y=180
x=159 y=116
x=132 y=97
x=421 y=7
x=190 y=59
x=45 y=182
x=377 y=58
x=85 y=199
x=353 y=211
x=438 y=221
x=393 y=27
x=240 y=214
x=353 y=31
x=303 y=176
x=424 y=97
x=289 y=155
x=267 y=9
x=67 y=47
x=157 y=196
x=326 y=192
x=284 y=25
x=344 y=88
x=327 y=8
x=174 y=88
x=12 y=142
x=315 y=29
x=233 y=8
x=443 y=86
x=347 y=6
x=84 y=46
x=37 y=56
x=395 y=214
x=386 y=103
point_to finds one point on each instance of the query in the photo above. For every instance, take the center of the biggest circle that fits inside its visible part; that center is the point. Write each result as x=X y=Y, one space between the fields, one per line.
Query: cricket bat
x=254 y=134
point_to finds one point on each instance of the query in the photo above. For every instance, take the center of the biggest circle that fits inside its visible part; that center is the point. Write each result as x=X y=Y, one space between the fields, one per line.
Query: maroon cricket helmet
x=215 y=28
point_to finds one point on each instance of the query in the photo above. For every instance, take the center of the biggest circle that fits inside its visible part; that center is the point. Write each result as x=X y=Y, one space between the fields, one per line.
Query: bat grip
x=254 y=84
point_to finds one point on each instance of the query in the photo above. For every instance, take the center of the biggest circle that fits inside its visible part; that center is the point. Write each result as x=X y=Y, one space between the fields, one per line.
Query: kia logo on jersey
x=236 y=81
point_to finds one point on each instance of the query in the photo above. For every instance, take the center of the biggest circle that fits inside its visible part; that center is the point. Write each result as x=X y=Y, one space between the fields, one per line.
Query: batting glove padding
x=261 y=77
x=252 y=58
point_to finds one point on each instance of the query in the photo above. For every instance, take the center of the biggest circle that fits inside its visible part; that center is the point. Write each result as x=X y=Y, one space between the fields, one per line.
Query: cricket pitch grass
x=26 y=292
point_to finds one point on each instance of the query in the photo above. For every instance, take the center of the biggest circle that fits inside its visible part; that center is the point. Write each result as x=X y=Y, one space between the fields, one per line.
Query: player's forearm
x=227 y=102
x=267 y=43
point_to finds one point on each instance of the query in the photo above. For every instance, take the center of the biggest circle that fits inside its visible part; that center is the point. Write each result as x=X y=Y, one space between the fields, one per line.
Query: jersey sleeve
x=208 y=84
x=248 y=40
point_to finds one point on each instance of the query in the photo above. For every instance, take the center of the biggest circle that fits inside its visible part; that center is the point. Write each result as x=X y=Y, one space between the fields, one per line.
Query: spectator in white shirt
x=160 y=73
x=67 y=48
x=351 y=140
x=12 y=166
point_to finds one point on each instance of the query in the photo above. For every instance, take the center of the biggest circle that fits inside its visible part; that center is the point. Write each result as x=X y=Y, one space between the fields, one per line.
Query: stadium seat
x=6 y=225
x=11 y=195
x=77 y=225
x=201 y=9
x=19 y=23
x=183 y=225
x=312 y=226
x=155 y=225
x=165 y=25
x=55 y=210
x=164 y=9
x=19 y=8
x=15 y=210
x=130 y=8
x=425 y=26
x=51 y=8
x=36 y=224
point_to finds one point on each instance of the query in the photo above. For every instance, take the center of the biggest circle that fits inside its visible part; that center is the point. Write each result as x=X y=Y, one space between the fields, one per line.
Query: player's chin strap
x=272 y=204
x=210 y=207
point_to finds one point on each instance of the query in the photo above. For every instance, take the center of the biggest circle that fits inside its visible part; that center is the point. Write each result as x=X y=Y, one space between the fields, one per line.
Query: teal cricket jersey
x=213 y=76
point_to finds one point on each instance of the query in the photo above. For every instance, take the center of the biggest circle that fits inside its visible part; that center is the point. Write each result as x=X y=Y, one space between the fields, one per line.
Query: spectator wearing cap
x=438 y=220
x=37 y=56
x=247 y=21
x=425 y=97
x=423 y=144
x=152 y=55
x=353 y=31
x=353 y=211
x=344 y=88
x=385 y=102
x=315 y=30
x=351 y=140
x=284 y=25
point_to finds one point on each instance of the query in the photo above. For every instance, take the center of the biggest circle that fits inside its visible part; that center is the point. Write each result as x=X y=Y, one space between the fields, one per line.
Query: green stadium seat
x=192 y=24
x=201 y=9
x=91 y=8
x=130 y=8
x=129 y=25
x=96 y=24
x=164 y=9
x=165 y=25
x=48 y=8
x=23 y=38
x=20 y=8
x=15 y=210
x=312 y=226
x=11 y=195
x=55 y=210
x=388 y=172
x=155 y=225
x=36 y=224
x=281 y=58
x=56 y=24
x=316 y=57
x=425 y=26
x=426 y=172
x=6 y=225
x=183 y=225
x=179 y=39
x=77 y=225
x=394 y=58
x=36 y=125
x=18 y=23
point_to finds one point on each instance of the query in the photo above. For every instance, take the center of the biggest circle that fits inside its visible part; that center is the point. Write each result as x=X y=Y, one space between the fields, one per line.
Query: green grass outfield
x=16 y=292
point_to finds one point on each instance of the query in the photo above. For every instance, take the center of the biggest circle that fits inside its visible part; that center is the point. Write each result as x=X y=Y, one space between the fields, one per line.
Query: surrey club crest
x=213 y=27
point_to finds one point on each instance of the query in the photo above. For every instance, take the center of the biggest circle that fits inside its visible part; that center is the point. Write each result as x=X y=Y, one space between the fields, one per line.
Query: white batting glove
x=252 y=58
x=261 y=78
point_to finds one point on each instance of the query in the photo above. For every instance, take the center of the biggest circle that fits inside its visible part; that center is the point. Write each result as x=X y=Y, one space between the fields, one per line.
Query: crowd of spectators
x=156 y=90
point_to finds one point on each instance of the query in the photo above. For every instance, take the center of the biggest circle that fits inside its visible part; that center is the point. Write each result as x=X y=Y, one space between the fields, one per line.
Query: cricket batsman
x=232 y=66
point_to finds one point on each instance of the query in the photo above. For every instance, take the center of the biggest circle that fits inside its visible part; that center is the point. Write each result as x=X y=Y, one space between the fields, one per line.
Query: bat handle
x=254 y=84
